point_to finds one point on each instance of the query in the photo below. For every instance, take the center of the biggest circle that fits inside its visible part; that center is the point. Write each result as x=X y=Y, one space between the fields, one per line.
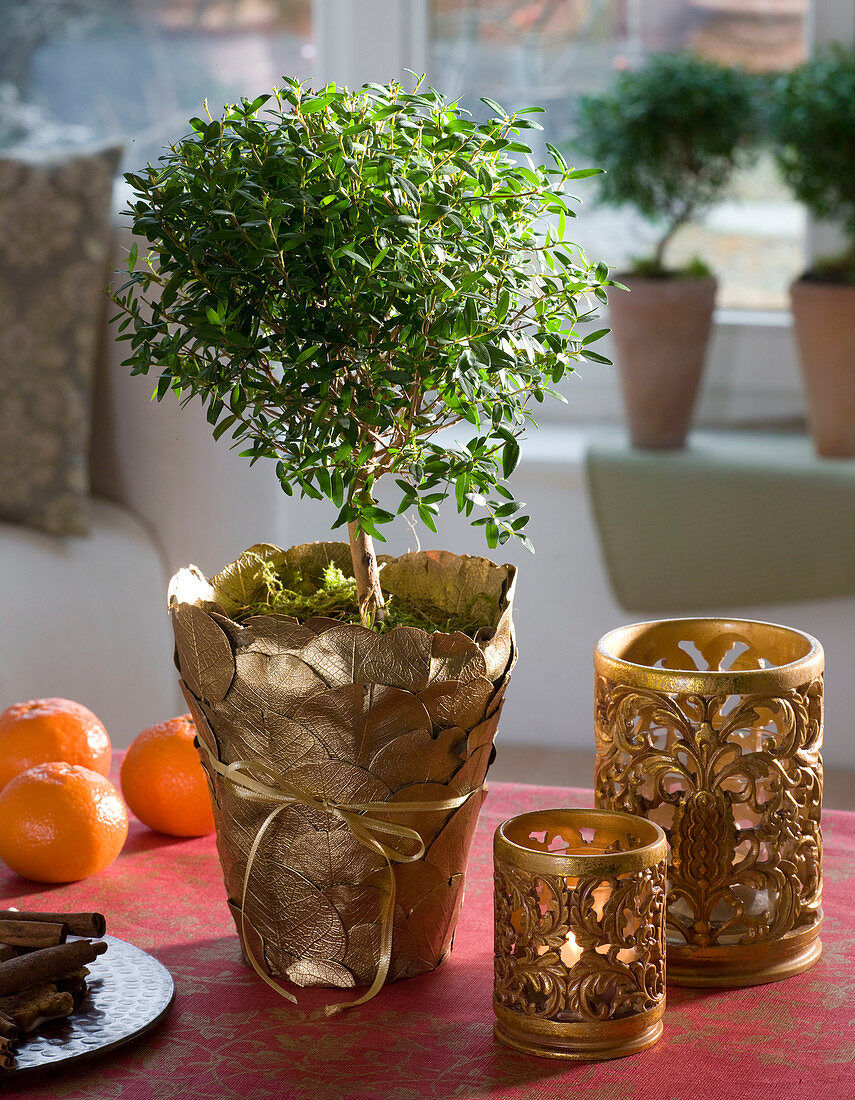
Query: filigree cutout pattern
x=736 y=782
x=613 y=926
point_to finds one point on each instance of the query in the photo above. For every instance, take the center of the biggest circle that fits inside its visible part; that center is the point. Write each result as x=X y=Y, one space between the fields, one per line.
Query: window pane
x=548 y=52
x=84 y=70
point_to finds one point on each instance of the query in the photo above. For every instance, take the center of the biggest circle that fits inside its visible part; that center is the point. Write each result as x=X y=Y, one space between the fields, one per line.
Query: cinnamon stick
x=8 y=953
x=32 y=933
x=47 y=965
x=79 y=924
x=9 y=1030
x=74 y=983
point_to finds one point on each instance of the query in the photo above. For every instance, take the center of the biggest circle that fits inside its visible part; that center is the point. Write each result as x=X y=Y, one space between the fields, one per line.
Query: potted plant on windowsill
x=339 y=277
x=668 y=137
x=813 y=124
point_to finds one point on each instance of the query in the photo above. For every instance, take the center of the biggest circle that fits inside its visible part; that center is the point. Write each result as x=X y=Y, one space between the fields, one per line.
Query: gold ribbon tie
x=266 y=783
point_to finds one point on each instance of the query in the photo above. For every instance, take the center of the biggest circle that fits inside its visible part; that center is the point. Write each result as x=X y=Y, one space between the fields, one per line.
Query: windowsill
x=759 y=318
x=566 y=443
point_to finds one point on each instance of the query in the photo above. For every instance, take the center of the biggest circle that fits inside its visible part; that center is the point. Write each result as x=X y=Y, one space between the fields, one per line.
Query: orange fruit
x=163 y=782
x=60 y=822
x=51 y=729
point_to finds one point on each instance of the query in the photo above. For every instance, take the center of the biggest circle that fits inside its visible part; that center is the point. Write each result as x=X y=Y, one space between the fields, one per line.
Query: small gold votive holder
x=713 y=729
x=579 y=955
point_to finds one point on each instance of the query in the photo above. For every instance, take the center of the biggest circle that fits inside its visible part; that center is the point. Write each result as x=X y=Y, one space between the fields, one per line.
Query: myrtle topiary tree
x=341 y=276
x=669 y=137
x=812 y=115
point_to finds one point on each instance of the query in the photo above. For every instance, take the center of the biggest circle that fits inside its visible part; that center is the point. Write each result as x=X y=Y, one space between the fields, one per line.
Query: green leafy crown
x=341 y=277
x=669 y=136
x=813 y=123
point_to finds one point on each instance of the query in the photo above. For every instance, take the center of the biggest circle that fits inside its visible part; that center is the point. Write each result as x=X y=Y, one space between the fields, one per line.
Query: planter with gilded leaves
x=346 y=767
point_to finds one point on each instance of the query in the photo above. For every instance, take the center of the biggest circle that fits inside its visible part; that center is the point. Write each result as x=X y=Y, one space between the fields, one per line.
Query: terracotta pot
x=824 y=323
x=329 y=723
x=661 y=331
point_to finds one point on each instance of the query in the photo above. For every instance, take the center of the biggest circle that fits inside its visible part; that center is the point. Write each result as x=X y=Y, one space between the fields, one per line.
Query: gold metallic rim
x=737 y=965
x=652 y=851
x=596 y=1041
x=609 y=662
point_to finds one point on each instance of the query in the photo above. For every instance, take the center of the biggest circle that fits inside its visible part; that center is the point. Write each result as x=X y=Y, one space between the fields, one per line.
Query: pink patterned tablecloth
x=228 y=1035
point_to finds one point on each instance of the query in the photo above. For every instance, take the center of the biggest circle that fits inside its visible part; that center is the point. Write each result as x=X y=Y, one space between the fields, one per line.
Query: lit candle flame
x=571 y=952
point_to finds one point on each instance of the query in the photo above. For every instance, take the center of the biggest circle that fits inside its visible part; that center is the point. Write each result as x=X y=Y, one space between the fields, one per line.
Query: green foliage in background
x=669 y=137
x=812 y=117
x=341 y=276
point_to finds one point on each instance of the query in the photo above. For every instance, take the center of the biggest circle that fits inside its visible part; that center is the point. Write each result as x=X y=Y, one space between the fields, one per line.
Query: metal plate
x=129 y=992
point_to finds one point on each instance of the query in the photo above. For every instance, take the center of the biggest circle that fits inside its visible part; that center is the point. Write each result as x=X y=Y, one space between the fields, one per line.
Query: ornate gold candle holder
x=713 y=729
x=580 y=935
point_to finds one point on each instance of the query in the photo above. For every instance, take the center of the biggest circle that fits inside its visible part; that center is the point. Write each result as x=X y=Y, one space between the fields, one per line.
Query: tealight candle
x=571 y=952
x=580 y=935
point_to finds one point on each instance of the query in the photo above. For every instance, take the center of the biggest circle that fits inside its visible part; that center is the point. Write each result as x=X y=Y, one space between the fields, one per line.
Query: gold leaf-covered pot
x=333 y=751
x=713 y=728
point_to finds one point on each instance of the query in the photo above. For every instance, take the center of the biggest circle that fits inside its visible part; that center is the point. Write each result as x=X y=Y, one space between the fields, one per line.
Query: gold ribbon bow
x=273 y=786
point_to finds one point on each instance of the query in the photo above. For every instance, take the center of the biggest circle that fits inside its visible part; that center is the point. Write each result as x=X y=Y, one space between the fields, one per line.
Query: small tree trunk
x=365 y=572
x=677 y=223
x=659 y=254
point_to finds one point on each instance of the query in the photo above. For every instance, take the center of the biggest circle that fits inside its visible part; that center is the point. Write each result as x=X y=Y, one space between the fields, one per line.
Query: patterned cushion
x=55 y=236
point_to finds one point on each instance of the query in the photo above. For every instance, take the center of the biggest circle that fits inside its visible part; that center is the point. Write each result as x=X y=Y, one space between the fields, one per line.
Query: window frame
x=752 y=369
